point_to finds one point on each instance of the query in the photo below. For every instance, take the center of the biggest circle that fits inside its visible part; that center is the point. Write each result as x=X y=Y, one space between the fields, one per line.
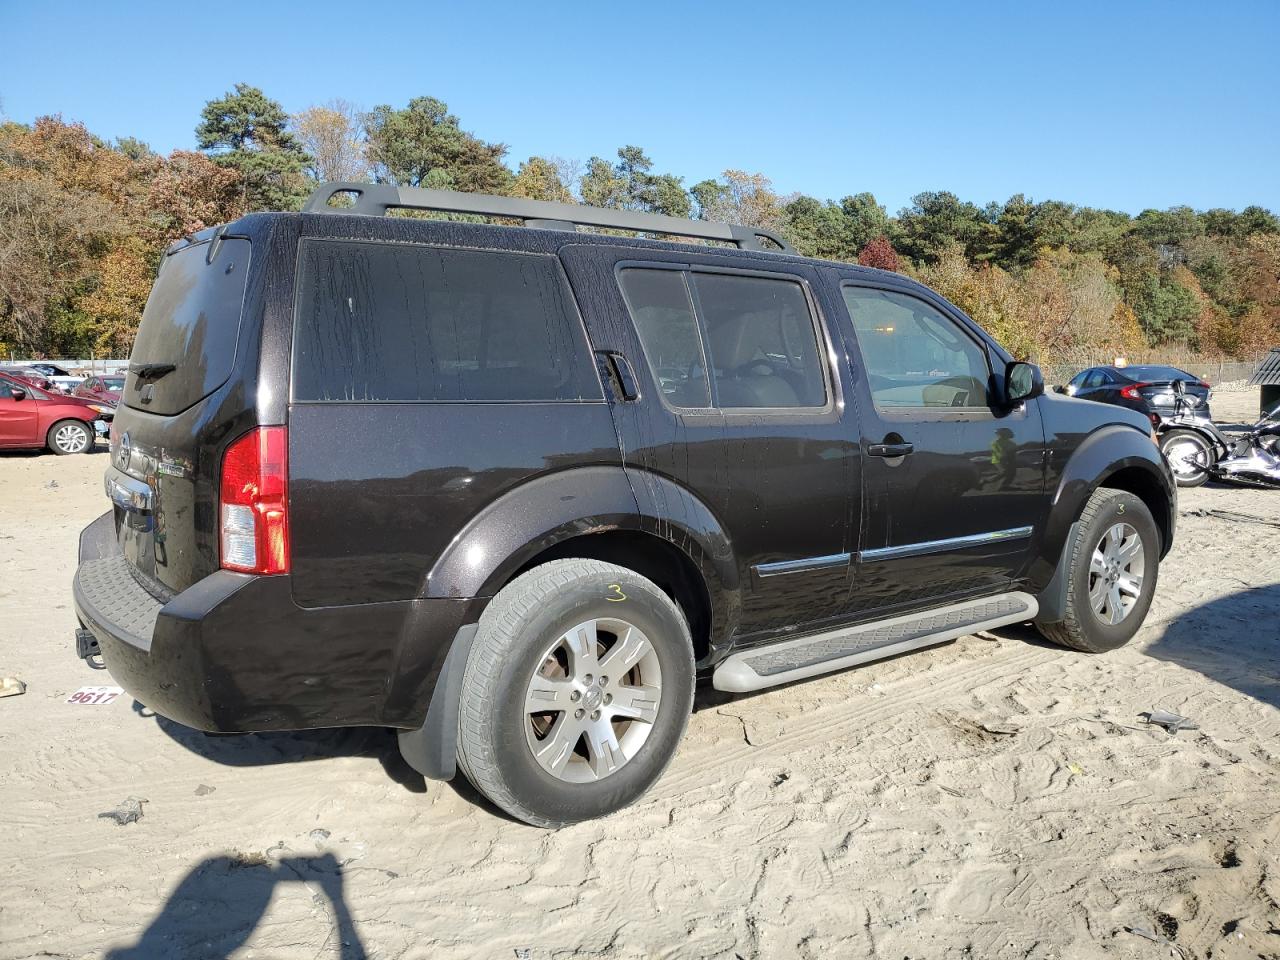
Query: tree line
x=83 y=224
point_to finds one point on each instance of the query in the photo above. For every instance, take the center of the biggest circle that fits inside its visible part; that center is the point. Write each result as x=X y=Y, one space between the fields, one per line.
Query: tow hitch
x=86 y=644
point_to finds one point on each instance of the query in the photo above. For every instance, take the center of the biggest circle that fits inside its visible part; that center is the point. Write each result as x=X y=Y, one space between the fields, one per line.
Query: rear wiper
x=151 y=371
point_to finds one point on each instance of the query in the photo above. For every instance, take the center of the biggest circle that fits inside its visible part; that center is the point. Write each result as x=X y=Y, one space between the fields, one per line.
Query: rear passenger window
x=755 y=335
x=380 y=321
x=663 y=314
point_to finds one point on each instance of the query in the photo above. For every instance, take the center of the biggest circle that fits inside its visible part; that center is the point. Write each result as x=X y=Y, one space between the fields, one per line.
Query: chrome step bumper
x=821 y=653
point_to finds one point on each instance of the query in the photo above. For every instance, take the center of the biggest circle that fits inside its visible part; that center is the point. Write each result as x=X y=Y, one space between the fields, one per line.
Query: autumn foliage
x=83 y=225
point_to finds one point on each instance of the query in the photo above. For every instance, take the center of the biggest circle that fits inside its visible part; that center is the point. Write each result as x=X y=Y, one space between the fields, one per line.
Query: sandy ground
x=996 y=797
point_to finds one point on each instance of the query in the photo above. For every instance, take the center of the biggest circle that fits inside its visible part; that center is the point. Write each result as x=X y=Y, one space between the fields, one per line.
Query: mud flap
x=1053 y=598
x=432 y=749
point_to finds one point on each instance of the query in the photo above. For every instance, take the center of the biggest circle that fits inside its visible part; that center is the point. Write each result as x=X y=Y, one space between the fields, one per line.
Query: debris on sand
x=12 y=687
x=1148 y=934
x=203 y=790
x=128 y=812
x=1170 y=721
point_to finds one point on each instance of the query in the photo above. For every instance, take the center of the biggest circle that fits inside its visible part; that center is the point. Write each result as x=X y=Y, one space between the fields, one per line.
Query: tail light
x=1131 y=392
x=1203 y=384
x=254 y=502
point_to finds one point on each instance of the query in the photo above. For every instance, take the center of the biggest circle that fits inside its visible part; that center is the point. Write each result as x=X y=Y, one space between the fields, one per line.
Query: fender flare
x=555 y=507
x=1102 y=455
x=524 y=522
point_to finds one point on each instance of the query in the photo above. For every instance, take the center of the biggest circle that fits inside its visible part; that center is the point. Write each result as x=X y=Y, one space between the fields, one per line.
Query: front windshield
x=113 y=383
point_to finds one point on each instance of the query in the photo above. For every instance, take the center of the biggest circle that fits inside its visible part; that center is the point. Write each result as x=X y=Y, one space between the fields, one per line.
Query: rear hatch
x=174 y=414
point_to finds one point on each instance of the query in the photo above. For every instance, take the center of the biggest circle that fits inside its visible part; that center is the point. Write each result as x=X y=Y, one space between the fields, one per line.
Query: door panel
x=18 y=418
x=953 y=486
x=783 y=481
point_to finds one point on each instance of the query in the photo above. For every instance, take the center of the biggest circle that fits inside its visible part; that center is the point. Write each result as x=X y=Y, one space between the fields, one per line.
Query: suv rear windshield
x=394 y=322
x=192 y=320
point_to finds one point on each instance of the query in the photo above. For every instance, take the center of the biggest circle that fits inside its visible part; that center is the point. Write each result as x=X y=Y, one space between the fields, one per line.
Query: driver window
x=913 y=354
x=658 y=300
x=1096 y=379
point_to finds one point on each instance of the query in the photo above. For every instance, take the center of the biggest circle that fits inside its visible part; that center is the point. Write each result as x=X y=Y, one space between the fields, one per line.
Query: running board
x=811 y=656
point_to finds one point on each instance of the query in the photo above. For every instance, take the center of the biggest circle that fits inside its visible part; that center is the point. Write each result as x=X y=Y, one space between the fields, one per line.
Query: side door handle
x=617 y=369
x=889 y=449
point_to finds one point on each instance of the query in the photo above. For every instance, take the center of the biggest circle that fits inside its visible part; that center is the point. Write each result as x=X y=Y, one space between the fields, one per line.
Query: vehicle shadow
x=216 y=907
x=266 y=749
x=1234 y=640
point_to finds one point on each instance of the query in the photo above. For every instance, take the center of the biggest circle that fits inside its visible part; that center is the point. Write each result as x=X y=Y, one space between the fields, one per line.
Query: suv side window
x=756 y=335
x=915 y=356
x=762 y=343
x=395 y=322
x=659 y=303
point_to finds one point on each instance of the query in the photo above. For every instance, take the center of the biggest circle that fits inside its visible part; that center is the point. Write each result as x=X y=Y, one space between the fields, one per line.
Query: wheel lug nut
x=577 y=714
x=608 y=698
x=604 y=681
x=587 y=678
x=595 y=714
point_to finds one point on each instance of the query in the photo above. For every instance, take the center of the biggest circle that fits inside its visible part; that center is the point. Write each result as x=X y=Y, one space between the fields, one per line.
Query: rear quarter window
x=405 y=322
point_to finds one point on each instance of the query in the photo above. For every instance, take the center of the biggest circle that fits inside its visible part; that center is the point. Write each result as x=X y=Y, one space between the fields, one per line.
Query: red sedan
x=107 y=389
x=34 y=418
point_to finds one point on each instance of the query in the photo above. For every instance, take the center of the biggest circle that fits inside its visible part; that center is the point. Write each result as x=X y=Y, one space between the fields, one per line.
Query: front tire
x=576 y=692
x=1190 y=456
x=1114 y=563
x=70 y=436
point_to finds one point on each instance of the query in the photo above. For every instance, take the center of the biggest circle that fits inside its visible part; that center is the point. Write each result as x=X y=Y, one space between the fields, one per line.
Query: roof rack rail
x=375 y=199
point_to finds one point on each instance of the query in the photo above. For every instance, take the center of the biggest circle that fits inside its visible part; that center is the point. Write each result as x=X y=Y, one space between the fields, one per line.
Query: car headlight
x=99 y=408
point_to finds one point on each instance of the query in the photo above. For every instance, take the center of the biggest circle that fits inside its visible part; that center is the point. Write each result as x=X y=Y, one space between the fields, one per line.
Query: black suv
x=511 y=490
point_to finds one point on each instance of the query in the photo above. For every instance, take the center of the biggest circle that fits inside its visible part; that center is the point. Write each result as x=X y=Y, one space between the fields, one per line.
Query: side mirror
x=1022 y=381
x=18 y=393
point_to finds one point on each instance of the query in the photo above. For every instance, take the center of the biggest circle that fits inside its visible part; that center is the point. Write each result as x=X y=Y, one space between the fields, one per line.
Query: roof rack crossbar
x=375 y=199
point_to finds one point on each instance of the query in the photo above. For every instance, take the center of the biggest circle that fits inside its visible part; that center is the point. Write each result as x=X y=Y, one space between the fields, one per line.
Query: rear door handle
x=618 y=369
x=889 y=449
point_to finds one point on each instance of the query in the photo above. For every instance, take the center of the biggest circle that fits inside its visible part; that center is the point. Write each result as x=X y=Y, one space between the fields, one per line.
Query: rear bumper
x=234 y=653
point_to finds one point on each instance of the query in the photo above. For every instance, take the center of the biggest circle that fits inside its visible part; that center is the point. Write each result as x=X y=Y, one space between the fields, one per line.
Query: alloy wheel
x=71 y=438
x=592 y=700
x=1116 y=570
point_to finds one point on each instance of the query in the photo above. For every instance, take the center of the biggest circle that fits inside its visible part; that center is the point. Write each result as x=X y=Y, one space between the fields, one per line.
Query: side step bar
x=811 y=656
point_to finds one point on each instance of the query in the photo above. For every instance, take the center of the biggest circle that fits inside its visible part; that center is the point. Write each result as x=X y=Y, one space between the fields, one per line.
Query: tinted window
x=914 y=355
x=1079 y=378
x=762 y=346
x=1096 y=378
x=192 y=320
x=659 y=304
x=406 y=322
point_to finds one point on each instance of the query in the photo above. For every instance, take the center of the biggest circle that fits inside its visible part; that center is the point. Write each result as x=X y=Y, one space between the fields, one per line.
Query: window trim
x=963 y=326
x=828 y=356
x=589 y=357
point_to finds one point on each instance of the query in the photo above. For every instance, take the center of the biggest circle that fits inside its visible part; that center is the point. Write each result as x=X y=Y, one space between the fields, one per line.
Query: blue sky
x=1120 y=104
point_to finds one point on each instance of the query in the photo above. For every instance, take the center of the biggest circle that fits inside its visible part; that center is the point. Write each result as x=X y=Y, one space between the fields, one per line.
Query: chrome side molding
x=926 y=547
x=797 y=566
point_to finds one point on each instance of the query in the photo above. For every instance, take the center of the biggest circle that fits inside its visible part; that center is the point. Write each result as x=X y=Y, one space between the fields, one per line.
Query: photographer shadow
x=214 y=910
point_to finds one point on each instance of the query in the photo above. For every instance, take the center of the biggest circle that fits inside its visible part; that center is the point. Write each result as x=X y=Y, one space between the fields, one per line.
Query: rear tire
x=1114 y=563
x=553 y=636
x=70 y=436
x=1189 y=455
